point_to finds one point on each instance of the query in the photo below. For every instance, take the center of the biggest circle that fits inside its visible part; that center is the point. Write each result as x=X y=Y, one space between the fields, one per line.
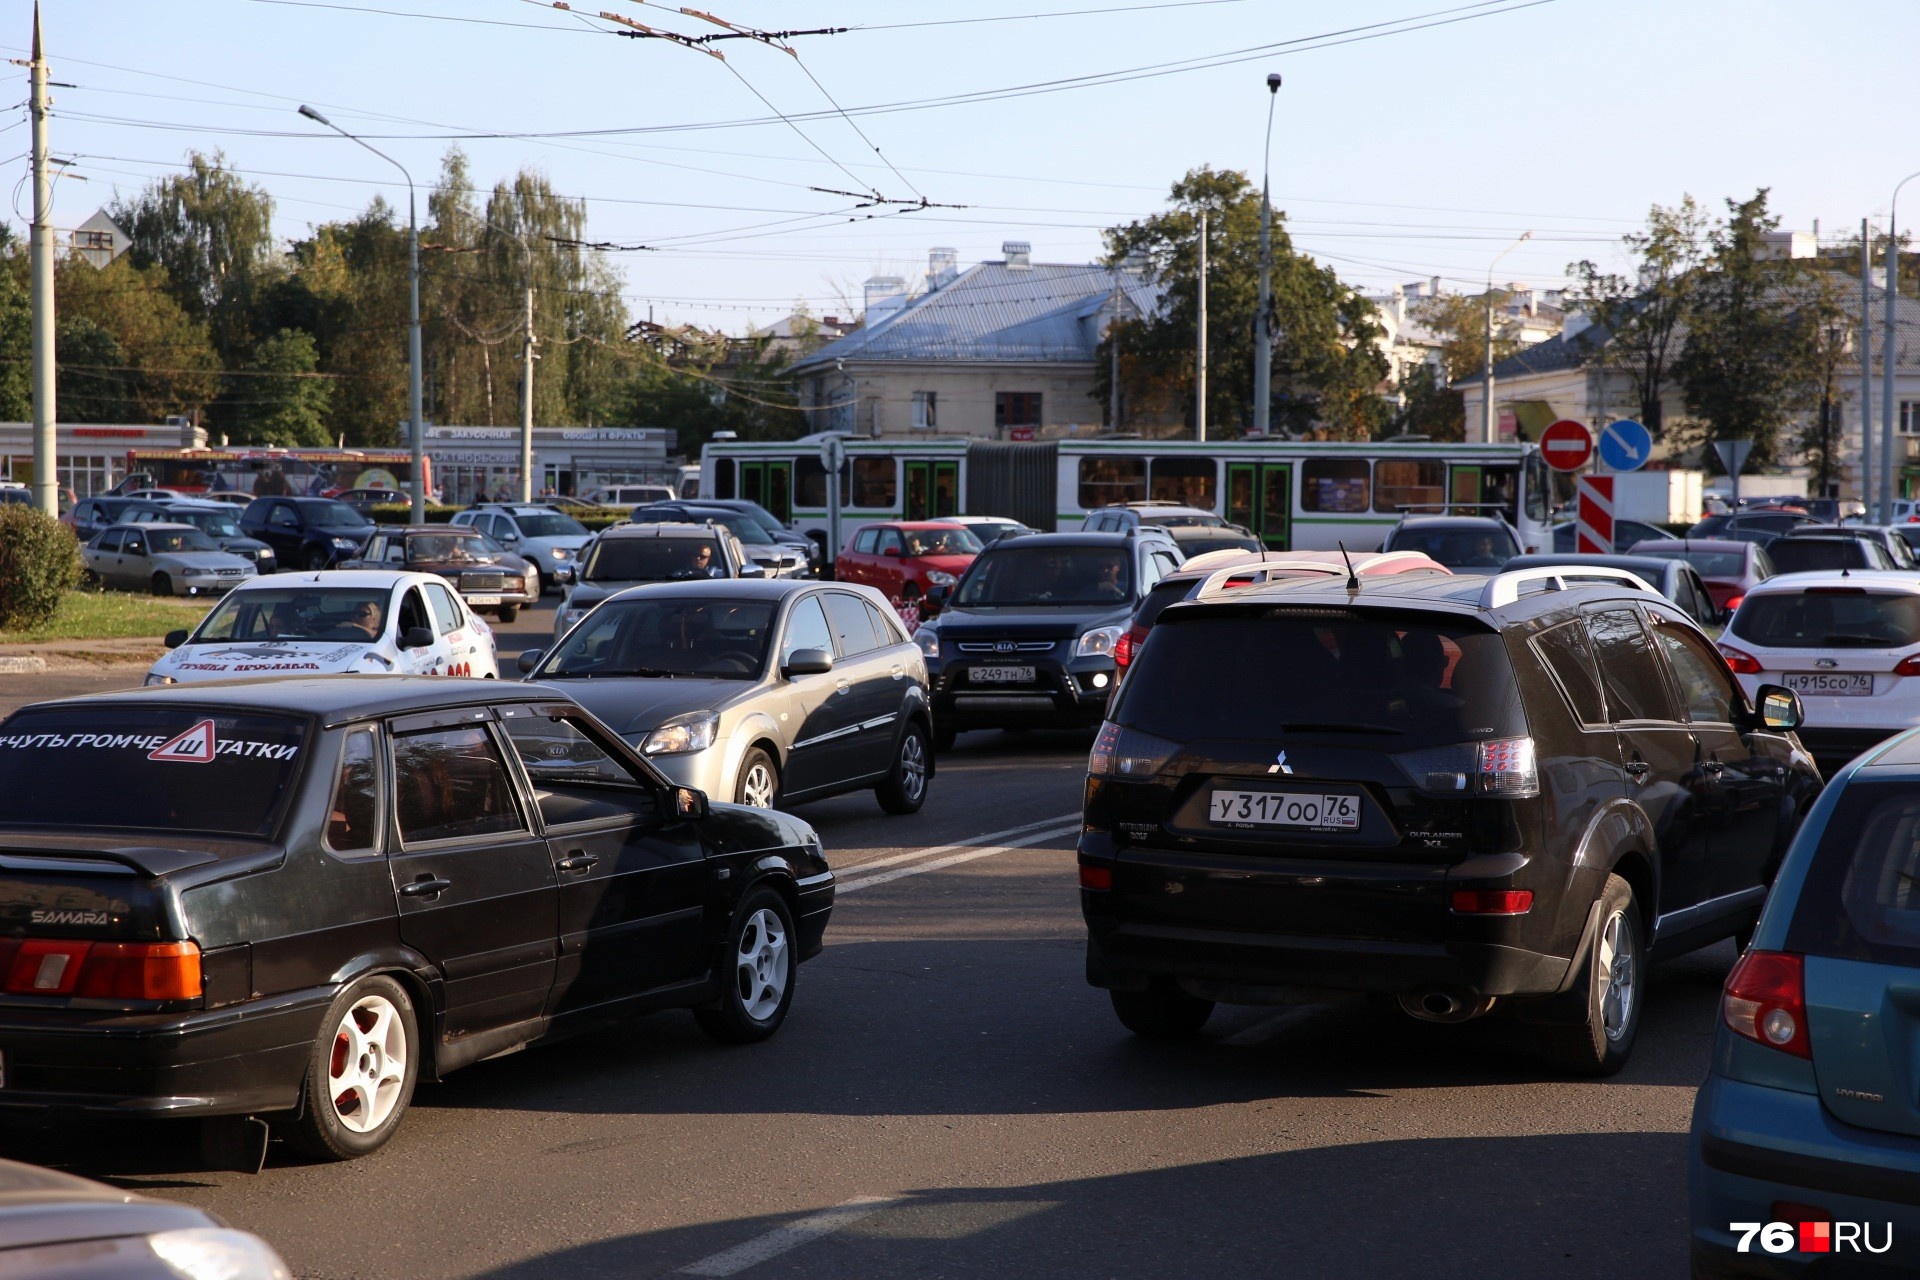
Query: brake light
x=1127 y=753
x=1766 y=1001
x=1734 y=602
x=1743 y=663
x=1500 y=768
x=1492 y=902
x=1908 y=666
x=104 y=970
x=1096 y=877
x=1123 y=649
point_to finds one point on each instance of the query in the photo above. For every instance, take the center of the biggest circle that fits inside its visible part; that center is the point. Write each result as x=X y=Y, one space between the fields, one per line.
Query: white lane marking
x=733 y=1261
x=914 y=855
x=955 y=859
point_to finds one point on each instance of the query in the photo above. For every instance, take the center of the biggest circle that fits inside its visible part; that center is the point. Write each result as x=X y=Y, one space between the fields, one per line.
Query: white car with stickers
x=362 y=621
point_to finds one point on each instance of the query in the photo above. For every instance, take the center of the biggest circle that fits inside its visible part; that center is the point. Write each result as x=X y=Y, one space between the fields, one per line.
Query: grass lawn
x=112 y=615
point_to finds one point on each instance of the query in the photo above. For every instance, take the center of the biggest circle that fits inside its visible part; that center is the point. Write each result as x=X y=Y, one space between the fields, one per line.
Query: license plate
x=1003 y=675
x=1830 y=684
x=483 y=599
x=1283 y=809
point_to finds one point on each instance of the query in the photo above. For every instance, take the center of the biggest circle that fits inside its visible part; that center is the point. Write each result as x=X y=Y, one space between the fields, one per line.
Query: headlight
x=216 y=1253
x=929 y=641
x=346 y=544
x=1099 y=642
x=559 y=553
x=941 y=579
x=570 y=616
x=153 y=680
x=682 y=734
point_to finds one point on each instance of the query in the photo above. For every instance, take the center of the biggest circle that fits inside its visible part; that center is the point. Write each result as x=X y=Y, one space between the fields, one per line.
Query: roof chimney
x=1019 y=255
x=943 y=264
x=885 y=295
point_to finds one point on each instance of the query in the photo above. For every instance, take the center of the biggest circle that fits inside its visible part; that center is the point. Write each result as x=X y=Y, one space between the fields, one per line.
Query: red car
x=903 y=559
x=1730 y=569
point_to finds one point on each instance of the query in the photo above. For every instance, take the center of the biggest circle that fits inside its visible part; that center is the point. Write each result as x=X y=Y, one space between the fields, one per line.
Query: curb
x=21 y=666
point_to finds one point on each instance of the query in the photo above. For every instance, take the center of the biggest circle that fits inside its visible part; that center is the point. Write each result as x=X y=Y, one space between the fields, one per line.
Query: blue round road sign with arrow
x=1625 y=445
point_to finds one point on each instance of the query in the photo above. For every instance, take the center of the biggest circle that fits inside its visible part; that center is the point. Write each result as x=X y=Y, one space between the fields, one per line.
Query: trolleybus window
x=1188 y=481
x=876 y=483
x=1106 y=479
x=1334 y=484
x=1403 y=482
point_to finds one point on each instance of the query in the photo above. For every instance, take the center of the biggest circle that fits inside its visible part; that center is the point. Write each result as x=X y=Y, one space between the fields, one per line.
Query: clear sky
x=1398 y=156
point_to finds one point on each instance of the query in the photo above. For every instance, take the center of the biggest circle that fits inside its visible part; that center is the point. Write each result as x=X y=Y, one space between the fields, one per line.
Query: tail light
x=1128 y=753
x=1734 y=602
x=1492 y=902
x=1123 y=649
x=103 y=970
x=1099 y=878
x=1499 y=768
x=1766 y=1001
x=1742 y=663
x=1908 y=666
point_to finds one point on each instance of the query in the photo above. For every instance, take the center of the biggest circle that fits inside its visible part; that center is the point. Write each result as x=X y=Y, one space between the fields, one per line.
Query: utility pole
x=1487 y=435
x=46 y=473
x=1890 y=354
x=1262 y=339
x=1866 y=365
x=527 y=358
x=1200 y=358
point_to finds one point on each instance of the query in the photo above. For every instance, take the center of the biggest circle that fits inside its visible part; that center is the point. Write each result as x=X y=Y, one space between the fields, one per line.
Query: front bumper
x=1064 y=694
x=816 y=905
x=707 y=771
x=246 y=1057
x=210 y=584
x=516 y=592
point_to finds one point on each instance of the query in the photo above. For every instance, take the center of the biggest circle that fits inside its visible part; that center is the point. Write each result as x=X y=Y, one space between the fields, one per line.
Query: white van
x=631 y=495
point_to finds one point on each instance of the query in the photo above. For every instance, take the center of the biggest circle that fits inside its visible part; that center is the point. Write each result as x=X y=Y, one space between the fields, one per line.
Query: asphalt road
x=948 y=1098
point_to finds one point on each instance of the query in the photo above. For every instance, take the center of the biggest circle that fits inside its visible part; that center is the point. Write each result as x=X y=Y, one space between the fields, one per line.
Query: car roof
x=909 y=524
x=1656 y=565
x=742 y=588
x=461 y=530
x=336 y=578
x=192 y=504
x=1078 y=539
x=1458 y=595
x=157 y=524
x=1412 y=520
x=1694 y=544
x=1883 y=580
x=332 y=698
x=1867 y=531
x=657 y=529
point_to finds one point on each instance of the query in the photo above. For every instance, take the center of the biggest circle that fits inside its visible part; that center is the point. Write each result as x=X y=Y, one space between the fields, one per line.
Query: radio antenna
x=1353 y=579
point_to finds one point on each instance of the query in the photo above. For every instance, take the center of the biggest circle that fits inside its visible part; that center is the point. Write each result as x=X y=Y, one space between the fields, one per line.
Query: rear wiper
x=1308 y=726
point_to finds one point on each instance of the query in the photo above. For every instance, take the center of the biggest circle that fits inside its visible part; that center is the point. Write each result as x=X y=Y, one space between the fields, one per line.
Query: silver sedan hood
x=635 y=704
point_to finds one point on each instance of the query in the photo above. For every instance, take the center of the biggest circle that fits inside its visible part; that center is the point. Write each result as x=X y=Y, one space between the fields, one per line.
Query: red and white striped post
x=1593 y=519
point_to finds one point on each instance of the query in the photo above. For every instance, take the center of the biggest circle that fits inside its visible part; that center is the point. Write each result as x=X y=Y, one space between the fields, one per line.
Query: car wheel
x=162 y=585
x=755 y=969
x=1615 y=985
x=508 y=612
x=759 y=783
x=361 y=1074
x=943 y=737
x=1166 y=1013
x=317 y=559
x=905 y=788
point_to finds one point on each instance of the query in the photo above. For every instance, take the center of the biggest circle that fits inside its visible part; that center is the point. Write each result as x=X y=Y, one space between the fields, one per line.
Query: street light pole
x=1486 y=368
x=416 y=433
x=1200 y=356
x=1890 y=353
x=1262 y=339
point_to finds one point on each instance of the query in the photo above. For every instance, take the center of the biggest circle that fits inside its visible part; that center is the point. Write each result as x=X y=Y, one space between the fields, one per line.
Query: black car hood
x=1031 y=622
x=632 y=705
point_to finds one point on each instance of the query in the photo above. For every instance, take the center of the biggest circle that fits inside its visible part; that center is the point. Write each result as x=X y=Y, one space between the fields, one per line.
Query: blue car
x=1805 y=1153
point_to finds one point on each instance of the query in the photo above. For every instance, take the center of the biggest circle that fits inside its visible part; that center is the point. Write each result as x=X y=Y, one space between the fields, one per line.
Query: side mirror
x=752 y=569
x=807 y=662
x=891 y=551
x=136 y=548
x=690 y=803
x=176 y=638
x=509 y=538
x=1779 y=708
x=937 y=594
x=417 y=638
x=529 y=659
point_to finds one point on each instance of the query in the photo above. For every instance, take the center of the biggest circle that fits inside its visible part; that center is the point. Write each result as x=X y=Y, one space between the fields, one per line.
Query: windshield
x=1484 y=548
x=1708 y=564
x=1428 y=685
x=355 y=614
x=939 y=542
x=987 y=530
x=334 y=515
x=444 y=548
x=653 y=560
x=219 y=524
x=1829 y=618
x=1804 y=555
x=680 y=638
x=168 y=769
x=1050 y=575
x=744 y=527
x=550 y=524
x=179 y=540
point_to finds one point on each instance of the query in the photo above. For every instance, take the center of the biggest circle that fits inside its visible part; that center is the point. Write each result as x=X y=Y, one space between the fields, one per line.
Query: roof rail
x=1253 y=575
x=1504 y=588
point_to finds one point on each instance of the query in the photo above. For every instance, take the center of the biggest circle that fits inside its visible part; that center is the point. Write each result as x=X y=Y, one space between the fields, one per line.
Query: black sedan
x=296 y=899
x=488 y=577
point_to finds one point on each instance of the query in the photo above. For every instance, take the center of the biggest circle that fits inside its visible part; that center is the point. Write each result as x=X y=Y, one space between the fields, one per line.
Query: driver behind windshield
x=442 y=547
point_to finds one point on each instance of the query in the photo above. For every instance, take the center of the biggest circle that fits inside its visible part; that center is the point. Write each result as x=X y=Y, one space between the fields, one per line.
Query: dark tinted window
x=886 y=632
x=168 y=769
x=1487 y=547
x=450 y=783
x=353 y=823
x=1806 y=555
x=1162 y=595
x=1018 y=574
x=1707 y=692
x=1862 y=895
x=1708 y=564
x=1569 y=655
x=1209 y=675
x=334 y=515
x=847 y=615
x=654 y=560
x=1636 y=689
x=575 y=778
x=665 y=637
x=1830 y=618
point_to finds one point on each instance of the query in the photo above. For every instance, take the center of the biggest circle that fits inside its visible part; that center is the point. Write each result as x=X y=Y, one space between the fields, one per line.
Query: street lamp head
x=313 y=115
x=1273 y=82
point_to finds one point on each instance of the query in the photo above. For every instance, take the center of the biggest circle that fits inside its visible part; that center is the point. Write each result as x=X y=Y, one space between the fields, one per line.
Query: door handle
x=1639 y=769
x=425 y=887
x=898 y=672
x=577 y=861
x=843 y=687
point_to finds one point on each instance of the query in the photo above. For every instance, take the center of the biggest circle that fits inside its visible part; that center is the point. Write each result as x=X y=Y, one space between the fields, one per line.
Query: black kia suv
x=1026 y=638
x=1463 y=794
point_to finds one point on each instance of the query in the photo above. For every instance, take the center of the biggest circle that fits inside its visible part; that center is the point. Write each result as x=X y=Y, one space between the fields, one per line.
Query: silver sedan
x=166 y=559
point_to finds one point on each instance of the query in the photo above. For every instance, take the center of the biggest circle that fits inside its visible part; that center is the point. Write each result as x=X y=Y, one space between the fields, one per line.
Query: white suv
x=550 y=539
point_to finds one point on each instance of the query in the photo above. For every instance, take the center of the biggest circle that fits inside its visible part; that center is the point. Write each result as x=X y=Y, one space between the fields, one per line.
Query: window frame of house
x=1017 y=409
x=926 y=406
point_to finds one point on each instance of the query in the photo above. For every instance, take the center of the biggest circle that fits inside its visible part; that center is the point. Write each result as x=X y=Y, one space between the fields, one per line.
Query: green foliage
x=1429 y=407
x=138 y=356
x=94 y=380
x=16 y=336
x=39 y=563
x=286 y=401
x=1460 y=322
x=1327 y=366
x=695 y=384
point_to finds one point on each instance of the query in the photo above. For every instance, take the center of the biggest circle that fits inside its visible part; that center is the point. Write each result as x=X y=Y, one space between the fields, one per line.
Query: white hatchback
x=336 y=621
x=1847 y=643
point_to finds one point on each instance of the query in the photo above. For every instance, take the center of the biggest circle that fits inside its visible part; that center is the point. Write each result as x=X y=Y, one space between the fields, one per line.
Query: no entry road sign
x=1566 y=445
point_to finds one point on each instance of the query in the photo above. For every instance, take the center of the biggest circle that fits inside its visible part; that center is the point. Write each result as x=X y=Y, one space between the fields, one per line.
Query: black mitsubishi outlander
x=1462 y=795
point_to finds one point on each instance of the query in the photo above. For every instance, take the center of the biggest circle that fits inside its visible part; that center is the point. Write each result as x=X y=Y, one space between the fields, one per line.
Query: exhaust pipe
x=1440 y=1005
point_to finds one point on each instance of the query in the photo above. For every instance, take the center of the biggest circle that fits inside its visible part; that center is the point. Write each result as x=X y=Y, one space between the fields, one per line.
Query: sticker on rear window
x=195 y=746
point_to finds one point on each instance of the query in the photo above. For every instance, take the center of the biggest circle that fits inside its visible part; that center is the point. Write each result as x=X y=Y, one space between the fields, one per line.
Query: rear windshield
x=1457 y=548
x=335 y=515
x=154 y=768
x=654 y=560
x=1802 y=555
x=1192 y=547
x=1708 y=564
x=1830 y=618
x=1047 y=575
x=550 y=524
x=1182 y=520
x=1218 y=675
x=1862 y=895
x=1162 y=595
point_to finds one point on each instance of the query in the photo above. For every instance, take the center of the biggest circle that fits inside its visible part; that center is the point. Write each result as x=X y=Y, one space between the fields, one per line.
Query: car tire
x=1613 y=977
x=508 y=612
x=355 y=1093
x=944 y=736
x=756 y=968
x=758 y=785
x=318 y=559
x=162 y=585
x=1164 y=1013
x=905 y=788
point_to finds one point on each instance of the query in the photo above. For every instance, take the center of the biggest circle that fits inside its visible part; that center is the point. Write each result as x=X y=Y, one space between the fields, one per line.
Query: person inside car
x=365 y=622
x=283 y=622
x=700 y=563
x=1107 y=586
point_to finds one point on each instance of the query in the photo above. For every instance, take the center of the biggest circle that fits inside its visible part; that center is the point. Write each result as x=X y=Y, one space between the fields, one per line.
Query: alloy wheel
x=368 y=1066
x=757 y=788
x=913 y=767
x=762 y=965
x=1618 y=988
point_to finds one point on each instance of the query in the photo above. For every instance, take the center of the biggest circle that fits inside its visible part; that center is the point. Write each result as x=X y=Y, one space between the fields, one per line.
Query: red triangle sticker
x=195 y=746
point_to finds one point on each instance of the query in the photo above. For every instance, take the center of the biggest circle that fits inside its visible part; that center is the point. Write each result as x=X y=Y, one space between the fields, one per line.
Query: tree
x=135 y=344
x=1429 y=407
x=698 y=383
x=1749 y=354
x=94 y=379
x=1327 y=365
x=1827 y=321
x=285 y=402
x=16 y=333
x=1639 y=322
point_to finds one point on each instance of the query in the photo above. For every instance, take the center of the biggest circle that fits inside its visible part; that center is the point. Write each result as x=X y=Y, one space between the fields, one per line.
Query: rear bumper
x=243 y=1058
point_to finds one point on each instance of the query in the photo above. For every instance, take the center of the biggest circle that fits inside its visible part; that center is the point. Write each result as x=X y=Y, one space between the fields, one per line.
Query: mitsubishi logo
x=1280 y=765
x=1003 y=646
